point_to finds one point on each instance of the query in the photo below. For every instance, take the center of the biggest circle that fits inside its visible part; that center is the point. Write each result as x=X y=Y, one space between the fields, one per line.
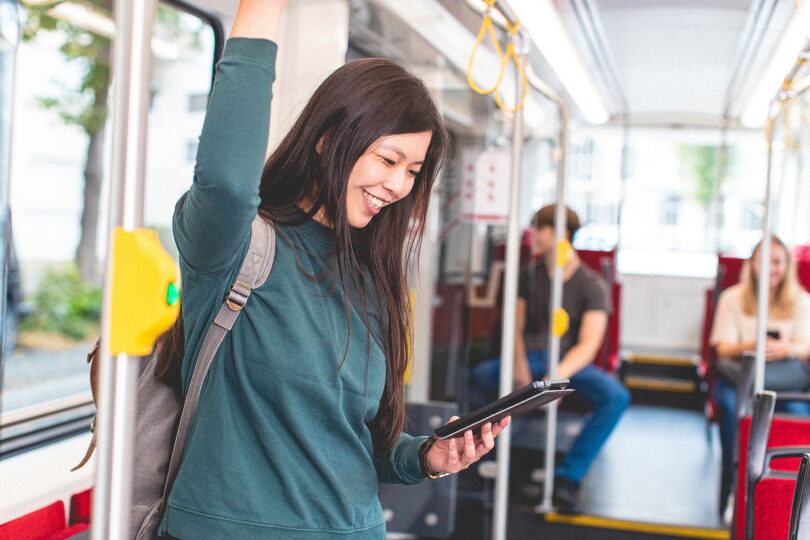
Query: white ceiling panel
x=677 y=60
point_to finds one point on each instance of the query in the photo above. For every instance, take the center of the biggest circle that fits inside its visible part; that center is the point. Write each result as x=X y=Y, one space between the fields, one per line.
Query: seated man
x=586 y=300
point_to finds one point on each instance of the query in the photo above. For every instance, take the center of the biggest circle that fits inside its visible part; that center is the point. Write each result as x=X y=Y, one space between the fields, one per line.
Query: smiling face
x=778 y=265
x=384 y=174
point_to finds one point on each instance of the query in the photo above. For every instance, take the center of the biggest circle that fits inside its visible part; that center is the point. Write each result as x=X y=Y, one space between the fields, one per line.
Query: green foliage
x=64 y=304
x=85 y=106
x=703 y=165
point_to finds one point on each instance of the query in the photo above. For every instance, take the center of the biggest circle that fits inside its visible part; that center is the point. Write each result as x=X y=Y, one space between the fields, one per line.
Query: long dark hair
x=356 y=105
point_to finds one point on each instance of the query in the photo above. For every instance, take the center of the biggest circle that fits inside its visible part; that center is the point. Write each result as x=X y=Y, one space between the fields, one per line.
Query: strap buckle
x=237 y=296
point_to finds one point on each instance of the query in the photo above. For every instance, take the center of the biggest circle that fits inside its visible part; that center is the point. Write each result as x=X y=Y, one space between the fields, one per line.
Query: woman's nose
x=396 y=183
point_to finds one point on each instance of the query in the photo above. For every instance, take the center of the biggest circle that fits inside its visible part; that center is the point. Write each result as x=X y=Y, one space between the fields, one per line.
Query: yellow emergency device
x=145 y=292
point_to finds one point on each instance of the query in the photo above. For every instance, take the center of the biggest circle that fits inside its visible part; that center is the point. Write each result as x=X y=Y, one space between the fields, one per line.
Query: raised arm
x=258 y=19
x=212 y=220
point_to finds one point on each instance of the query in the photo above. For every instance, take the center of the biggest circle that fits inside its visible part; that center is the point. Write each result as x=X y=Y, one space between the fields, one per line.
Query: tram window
x=59 y=156
x=673 y=204
x=197 y=102
x=669 y=209
x=752 y=215
x=191 y=150
x=583 y=160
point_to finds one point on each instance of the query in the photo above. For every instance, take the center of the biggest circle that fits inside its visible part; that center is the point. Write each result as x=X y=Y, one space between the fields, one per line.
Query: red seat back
x=80 y=505
x=772 y=503
x=608 y=358
x=785 y=431
x=730 y=269
x=37 y=524
x=802 y=254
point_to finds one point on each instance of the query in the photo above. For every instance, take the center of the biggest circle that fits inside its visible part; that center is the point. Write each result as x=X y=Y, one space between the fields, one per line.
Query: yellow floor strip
x=635 y=526
x=660 y=360
x=668 y=385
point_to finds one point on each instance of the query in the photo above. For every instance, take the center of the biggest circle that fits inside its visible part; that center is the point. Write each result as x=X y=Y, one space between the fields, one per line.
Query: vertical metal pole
x=510 y=285
x=131 y=78
x=763 y=289
x=560 y=216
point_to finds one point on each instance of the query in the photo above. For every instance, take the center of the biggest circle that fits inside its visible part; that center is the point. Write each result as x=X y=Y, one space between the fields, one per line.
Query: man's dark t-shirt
x=584 y=291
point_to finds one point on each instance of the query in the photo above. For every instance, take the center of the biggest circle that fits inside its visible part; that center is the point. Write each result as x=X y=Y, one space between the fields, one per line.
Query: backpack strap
x=255 y=269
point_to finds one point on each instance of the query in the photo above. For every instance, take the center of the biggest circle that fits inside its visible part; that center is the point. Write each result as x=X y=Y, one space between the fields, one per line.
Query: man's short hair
x=545 y=216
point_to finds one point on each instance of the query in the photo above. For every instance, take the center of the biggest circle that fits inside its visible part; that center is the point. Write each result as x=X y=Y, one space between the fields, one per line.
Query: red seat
x=604 y=264
x=80 y=504
x=772 y=503
x=773 y=494
x=37 y=524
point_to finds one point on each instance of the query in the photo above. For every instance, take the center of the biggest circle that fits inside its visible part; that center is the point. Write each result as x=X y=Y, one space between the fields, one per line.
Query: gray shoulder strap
x=255 y=269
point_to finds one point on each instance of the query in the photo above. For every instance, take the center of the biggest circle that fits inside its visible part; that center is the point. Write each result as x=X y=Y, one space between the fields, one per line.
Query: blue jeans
x=607 y=395
x=725 y=396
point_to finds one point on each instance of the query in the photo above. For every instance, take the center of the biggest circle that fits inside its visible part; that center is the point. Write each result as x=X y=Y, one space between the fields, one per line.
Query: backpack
x=162 y=417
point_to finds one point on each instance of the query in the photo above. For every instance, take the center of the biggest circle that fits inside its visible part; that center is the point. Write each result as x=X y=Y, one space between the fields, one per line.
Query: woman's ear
x=319 y=145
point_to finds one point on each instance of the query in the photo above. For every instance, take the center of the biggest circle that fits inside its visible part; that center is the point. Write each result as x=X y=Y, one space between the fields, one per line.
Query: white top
x=731 y=325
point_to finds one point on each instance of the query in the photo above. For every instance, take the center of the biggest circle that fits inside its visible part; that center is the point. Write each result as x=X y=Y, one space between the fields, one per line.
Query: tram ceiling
x=660 y=63
x=679 y=62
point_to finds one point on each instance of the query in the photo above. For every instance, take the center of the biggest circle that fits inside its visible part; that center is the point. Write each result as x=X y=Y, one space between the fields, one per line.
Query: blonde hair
x=787 y=291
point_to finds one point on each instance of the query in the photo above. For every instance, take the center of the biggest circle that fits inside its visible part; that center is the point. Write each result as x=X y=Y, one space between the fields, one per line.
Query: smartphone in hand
x=521 y=401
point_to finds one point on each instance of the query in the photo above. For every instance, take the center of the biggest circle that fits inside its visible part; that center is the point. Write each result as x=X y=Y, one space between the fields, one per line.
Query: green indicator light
x=172 y=294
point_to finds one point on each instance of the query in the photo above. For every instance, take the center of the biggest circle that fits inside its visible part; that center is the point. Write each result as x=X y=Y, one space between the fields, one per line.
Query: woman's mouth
x=373 y=204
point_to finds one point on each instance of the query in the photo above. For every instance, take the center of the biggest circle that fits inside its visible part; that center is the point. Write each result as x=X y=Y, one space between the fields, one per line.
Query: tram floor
x=657 y=476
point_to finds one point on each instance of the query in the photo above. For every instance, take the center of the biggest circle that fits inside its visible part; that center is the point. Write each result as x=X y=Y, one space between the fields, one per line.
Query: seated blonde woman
x=734 y=333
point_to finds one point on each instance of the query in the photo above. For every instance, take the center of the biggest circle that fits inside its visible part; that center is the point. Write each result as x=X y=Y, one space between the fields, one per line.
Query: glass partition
x=60 y=140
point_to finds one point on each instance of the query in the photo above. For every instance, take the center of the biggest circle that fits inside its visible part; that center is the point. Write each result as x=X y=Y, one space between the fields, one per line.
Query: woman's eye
x=413 y=173
x=388 y=161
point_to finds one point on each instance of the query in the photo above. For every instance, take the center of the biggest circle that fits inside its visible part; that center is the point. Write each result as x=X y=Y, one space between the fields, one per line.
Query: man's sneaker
x=566 y=496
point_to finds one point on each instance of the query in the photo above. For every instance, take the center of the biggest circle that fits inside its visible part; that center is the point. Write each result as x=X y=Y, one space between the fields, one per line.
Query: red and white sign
x=485 y=186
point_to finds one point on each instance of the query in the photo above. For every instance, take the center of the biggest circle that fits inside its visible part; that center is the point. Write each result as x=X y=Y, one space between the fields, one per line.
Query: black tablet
x=521 y=401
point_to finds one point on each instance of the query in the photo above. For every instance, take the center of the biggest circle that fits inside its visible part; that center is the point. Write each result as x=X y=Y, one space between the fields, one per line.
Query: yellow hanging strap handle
x=486 y=28
x=510 y=53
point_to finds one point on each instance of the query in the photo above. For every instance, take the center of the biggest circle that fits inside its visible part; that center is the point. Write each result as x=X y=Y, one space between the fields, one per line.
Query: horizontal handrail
x=48 y=408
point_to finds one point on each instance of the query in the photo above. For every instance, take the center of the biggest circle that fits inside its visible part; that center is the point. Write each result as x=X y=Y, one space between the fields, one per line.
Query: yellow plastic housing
x=560 y=322
x=564 y=252
x=145 y=299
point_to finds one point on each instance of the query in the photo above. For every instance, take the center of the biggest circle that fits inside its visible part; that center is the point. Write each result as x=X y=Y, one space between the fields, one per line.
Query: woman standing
x=301 y=414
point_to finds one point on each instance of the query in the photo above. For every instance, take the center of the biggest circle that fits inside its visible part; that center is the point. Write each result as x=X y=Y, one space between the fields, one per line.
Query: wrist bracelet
x=423 y=452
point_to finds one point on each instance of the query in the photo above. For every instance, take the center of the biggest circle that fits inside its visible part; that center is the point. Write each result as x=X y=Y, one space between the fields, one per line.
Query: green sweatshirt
x=279 y=446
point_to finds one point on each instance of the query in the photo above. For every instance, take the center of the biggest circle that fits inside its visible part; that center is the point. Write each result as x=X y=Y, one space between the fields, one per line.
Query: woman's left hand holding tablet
x=456 y=454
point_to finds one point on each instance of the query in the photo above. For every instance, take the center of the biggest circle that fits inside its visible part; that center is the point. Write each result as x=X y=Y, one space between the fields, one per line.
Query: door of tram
x=10 y=33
